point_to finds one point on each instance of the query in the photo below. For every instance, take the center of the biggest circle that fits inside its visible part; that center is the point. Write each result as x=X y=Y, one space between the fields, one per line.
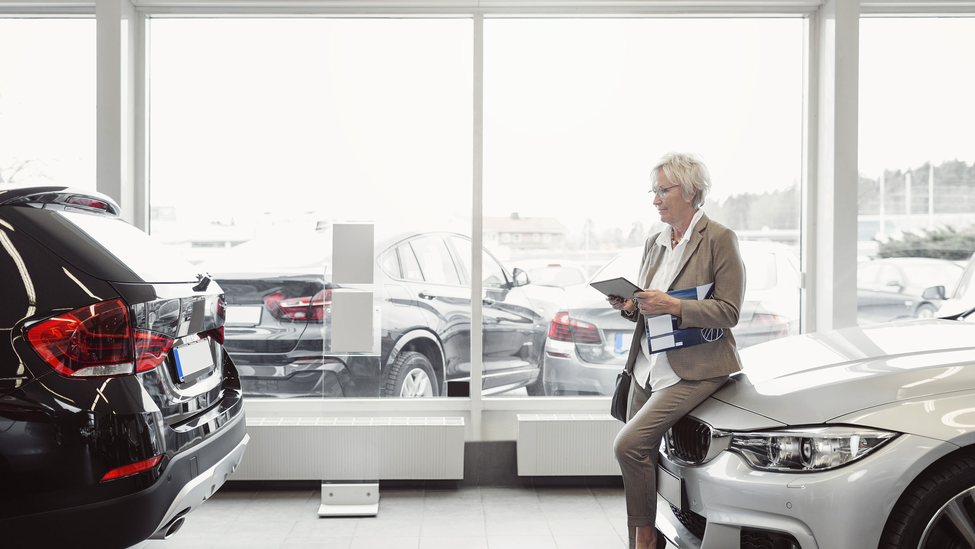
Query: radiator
x=353 y=448
x=567 y=445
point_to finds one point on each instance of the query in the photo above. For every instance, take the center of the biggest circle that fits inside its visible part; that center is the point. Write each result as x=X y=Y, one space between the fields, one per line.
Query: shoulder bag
x=621 y=396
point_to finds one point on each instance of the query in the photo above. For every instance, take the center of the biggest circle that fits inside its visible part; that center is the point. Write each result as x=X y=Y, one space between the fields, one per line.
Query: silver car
x=588 y=340
x=848 y=439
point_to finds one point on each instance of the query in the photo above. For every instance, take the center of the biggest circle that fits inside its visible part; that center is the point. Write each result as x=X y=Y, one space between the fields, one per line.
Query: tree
x=947 y=243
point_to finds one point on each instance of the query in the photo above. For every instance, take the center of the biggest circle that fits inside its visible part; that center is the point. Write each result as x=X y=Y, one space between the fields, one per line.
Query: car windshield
x=304 y=252
x=557 y=276
x=934 y=274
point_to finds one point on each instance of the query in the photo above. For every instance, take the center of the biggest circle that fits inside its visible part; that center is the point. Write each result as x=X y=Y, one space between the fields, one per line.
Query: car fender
x=412 y=337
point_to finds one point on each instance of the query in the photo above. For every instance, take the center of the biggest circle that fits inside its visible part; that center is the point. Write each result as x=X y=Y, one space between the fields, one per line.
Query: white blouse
x=655 y=368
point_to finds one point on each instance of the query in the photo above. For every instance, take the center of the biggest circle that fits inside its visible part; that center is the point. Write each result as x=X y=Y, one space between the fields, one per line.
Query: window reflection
x=47 y=102
x=578 y=110
x=916 y=225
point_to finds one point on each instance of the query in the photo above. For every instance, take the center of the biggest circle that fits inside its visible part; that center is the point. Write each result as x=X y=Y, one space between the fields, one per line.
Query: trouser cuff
x=638 y=521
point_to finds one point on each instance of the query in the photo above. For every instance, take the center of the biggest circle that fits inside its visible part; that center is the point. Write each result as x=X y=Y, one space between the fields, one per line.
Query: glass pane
x=265 y=134
x=916 y=197
x=576 y=112
x=47 y=102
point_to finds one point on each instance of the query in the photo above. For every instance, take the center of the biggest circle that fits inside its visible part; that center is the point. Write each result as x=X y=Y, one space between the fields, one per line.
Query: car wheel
x=925 y=311
x=937 y=511
x=411 y=375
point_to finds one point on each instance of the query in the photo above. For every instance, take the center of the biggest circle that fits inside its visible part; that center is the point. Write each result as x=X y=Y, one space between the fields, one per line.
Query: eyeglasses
x=661 y=192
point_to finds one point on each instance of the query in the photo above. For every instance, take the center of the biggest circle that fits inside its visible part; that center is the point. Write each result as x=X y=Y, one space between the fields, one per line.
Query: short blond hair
x=686 y=170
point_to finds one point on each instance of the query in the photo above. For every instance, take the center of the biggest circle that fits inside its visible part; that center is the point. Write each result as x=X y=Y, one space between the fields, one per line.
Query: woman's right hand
x=620 y=304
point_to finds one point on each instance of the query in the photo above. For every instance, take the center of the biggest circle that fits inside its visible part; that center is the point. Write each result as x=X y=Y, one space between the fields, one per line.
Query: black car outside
x=120 y=411
x=279 y=317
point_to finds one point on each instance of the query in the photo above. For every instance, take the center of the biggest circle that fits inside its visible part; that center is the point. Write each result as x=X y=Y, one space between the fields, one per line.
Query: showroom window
x=576 y=112
x=47 y=102
x=285 y=128
x=282 y=131
x=916 y=196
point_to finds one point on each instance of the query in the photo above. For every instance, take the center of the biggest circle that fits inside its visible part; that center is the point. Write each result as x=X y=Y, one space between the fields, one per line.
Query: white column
x=477 y=236
x=116 y=38
x=830 y=223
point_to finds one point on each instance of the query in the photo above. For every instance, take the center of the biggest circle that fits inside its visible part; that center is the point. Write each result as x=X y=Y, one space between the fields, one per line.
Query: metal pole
x=907 y=194
x=883 y=233
x=930 y=196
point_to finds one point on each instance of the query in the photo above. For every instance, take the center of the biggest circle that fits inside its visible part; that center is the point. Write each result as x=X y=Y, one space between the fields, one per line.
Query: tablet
x=617 y=286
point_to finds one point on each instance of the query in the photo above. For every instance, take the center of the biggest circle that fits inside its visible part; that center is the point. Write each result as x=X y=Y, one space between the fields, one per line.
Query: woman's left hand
x=655 y=302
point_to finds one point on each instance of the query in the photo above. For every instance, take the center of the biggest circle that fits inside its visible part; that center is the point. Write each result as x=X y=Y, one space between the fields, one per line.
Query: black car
x=279 y=319
x=120 y=411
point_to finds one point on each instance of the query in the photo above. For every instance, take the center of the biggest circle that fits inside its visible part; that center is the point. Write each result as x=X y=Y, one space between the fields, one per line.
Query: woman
x=693 y=251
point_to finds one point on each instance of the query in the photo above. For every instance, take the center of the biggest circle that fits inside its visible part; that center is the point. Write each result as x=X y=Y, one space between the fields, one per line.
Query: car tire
x=411 y=375
x=931 y=510
x=925 y=311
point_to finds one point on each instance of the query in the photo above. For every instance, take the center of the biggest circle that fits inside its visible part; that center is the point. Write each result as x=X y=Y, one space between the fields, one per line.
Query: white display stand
x=349 y=499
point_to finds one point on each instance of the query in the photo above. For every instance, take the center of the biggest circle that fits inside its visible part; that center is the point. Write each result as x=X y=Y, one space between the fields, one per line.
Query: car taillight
x=777 y=326
x=88 y=202
x=128 y=470
x=216 y=334
x=97 y=341
x=565 y=328
x=300 y=308
x=321 y=304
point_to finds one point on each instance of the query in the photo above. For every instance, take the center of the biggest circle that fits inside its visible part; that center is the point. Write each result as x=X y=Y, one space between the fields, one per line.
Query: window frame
x=122 y=164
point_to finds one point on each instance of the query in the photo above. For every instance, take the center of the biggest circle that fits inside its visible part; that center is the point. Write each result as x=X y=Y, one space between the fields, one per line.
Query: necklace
x=674 y=240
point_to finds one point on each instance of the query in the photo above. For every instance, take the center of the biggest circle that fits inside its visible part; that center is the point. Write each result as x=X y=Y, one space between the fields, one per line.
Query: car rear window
x=144 y=256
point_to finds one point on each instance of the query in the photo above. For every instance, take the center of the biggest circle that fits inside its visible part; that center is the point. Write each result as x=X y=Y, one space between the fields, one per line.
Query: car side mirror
x=521 y=278
x=934 y=292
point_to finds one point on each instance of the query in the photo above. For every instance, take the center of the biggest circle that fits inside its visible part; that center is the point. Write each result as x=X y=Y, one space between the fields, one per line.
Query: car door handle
x=424 y=295
x=488 y=301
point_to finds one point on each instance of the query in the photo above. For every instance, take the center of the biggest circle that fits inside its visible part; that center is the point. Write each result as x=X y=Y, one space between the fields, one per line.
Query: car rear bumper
x=125 y=521
x=568 y=373
x=845 y=508
x=326 y=377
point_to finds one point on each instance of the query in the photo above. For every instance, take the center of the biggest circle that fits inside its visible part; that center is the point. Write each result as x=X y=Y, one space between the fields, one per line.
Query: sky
x=372 y=119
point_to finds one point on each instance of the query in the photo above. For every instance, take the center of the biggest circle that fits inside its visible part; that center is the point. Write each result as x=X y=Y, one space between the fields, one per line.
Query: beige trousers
x=651 y=414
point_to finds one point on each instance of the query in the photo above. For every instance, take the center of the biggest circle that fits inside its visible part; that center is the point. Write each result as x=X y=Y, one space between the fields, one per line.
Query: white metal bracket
x=349 y=499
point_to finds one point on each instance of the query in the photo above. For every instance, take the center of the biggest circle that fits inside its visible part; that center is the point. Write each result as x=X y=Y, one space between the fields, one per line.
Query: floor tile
x=521 y=542
x=457 y=542
x=548 y=517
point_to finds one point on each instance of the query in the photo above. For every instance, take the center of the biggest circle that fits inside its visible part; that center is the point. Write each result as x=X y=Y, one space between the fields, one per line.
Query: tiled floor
x=441 y=518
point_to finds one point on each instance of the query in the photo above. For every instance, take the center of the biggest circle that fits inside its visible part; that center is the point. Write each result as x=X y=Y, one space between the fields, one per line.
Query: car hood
x=814 y=378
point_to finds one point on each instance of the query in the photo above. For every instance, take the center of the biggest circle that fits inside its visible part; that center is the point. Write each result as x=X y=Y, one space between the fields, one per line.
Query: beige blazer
x=711 y=255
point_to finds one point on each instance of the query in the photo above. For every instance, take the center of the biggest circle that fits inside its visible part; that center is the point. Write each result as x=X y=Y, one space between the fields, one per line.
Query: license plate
x=620 y=344
x=243 y=316
x=671 y=487
x=193 y=360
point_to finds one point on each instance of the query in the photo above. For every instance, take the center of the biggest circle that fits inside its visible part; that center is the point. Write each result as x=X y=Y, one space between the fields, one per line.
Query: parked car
x=120 y=411
x=963 y=297
x=550 y=280
x=588 y=340
x=279 y=315
x=894 y=288
x=846 y=439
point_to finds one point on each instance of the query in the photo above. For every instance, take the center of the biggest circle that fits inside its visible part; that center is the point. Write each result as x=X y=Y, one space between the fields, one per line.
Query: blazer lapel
x=656 y=254
x=696 y=239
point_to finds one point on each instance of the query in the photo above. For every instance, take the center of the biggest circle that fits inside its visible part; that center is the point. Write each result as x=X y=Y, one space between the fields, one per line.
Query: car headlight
x=807 y=449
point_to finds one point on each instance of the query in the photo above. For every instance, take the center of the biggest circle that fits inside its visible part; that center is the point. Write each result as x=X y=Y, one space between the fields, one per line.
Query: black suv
x=279 y=319
x=120 y=411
